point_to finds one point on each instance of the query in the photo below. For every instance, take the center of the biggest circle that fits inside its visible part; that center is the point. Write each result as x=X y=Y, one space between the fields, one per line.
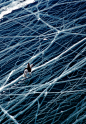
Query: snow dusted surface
x=51 y=35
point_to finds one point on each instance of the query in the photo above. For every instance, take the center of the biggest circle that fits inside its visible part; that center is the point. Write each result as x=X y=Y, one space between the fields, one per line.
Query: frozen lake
x=51 y=35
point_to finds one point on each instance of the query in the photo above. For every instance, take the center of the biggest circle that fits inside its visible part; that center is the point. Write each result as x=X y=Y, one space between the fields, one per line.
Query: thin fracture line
x=61 y=92
x=59 y=82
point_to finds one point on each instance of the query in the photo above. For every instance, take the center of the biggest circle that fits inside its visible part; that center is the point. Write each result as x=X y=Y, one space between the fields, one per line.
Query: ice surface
x=51 y=35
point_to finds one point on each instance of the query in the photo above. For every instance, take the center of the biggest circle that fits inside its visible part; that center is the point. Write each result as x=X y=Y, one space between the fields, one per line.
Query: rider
x=28 y=69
